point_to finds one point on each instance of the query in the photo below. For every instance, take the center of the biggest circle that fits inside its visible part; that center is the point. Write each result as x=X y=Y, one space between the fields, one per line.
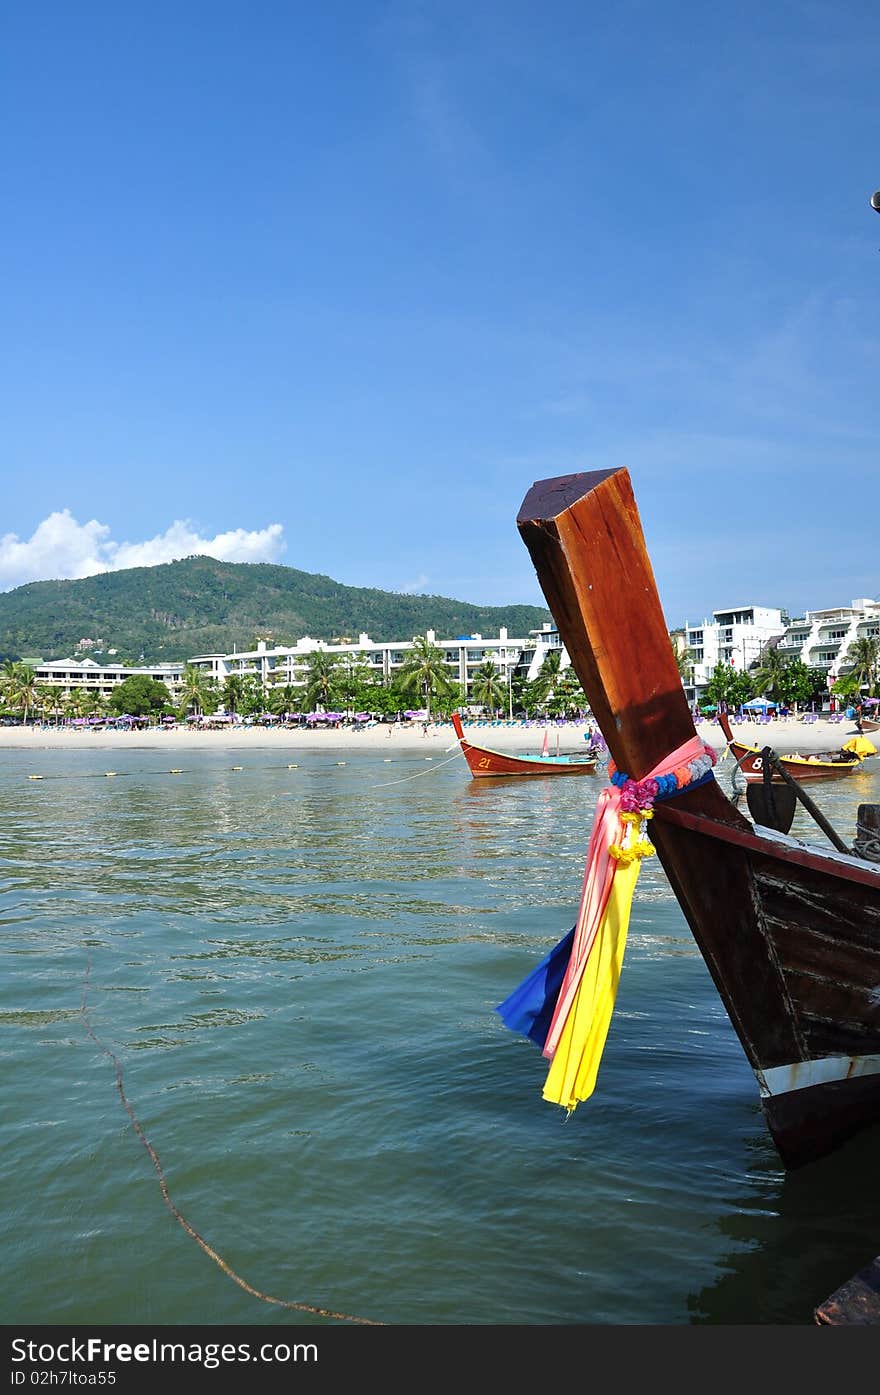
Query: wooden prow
x=585 y=539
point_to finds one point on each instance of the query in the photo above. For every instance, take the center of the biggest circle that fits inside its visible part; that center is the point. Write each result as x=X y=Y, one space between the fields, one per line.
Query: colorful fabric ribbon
x=565 y=1004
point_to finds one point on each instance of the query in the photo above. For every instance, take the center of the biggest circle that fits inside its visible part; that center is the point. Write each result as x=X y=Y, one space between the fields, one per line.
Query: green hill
x=199 y=606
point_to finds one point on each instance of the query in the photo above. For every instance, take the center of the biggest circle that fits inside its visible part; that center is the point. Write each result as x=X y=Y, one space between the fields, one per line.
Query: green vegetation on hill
x=201 y=606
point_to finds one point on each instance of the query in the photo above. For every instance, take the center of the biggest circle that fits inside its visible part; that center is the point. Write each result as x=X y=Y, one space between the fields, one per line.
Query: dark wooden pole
x=771 y=756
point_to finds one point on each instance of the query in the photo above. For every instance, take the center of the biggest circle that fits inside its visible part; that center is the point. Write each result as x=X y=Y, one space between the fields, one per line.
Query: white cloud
x=415 y=587
x=60 y=548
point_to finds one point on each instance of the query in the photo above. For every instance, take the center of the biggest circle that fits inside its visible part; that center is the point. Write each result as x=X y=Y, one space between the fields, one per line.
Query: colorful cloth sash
x=565 y=1004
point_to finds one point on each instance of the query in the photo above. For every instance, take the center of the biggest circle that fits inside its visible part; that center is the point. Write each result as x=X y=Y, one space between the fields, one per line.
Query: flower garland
x=637 y=798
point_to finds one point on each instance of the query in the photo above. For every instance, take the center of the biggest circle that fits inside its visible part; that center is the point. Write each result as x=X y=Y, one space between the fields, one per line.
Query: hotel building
x=280 y=665
x=739 y=636
x=87 y=675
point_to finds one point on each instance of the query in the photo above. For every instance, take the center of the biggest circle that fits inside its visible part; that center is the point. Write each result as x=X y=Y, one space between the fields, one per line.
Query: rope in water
x=402 y=781
x=181 y=1219
x=100 y=775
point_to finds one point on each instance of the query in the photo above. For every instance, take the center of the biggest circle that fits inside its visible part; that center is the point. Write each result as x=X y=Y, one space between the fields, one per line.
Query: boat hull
x=484 y=763
x=790 y=933
x=823 y=767
x=796 y=961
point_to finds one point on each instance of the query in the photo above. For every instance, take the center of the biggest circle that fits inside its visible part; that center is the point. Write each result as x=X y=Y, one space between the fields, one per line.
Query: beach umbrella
x=761 y=703
x=708 y=707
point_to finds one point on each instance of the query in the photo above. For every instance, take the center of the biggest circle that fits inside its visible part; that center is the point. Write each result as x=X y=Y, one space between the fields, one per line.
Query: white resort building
x=280 y=665
x=739 y=636
x=821 y=638
x=87 y=675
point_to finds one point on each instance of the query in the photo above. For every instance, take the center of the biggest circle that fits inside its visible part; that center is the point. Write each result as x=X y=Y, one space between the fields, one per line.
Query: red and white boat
x=484 y=762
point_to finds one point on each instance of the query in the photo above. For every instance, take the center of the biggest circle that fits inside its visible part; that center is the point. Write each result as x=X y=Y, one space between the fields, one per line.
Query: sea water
x=297 y=972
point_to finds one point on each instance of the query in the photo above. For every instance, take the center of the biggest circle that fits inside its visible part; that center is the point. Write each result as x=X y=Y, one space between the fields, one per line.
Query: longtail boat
x=484 y=761
x=789 y=931
x=821 y=765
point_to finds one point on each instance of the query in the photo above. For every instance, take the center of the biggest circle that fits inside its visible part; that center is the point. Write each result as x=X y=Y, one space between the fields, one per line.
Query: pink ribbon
x=598 y=877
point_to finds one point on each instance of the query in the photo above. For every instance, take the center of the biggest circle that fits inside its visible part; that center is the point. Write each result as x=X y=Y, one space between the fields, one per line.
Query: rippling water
x=297 y=970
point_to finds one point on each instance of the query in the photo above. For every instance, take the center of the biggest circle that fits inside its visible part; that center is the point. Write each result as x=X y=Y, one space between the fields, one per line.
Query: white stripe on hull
x=779 y=1080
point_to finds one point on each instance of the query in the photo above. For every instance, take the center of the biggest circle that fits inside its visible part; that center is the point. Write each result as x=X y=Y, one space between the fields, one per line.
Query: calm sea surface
x=297 y=970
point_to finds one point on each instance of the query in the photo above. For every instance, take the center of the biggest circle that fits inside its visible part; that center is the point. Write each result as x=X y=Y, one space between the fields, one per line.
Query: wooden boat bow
x=789 y=934
x=585 y=539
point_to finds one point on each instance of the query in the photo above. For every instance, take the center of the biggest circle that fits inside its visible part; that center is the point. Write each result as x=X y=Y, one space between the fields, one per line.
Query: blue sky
x=331 y=285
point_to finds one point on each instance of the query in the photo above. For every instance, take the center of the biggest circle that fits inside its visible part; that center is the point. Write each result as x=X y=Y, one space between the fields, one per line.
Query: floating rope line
x=385 y=784
x=181 y=770
x=181 y=1219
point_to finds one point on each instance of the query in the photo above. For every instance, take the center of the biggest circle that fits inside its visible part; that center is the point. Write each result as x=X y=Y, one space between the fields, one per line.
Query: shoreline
x=785 y=735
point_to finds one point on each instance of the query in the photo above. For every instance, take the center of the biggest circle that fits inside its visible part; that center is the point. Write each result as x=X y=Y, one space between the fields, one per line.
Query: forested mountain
x=199 y=605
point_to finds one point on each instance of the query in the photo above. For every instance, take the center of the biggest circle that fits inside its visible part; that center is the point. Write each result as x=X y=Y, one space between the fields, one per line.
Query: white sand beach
x=786 y=735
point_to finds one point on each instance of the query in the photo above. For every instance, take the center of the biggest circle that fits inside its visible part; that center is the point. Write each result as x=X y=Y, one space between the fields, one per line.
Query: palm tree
x=768 y=677
x=194 y=691
x=423 y=672
x=487 y=687
x=568 y=695
x=863 y=655
x=231 y=692
x=285 y=697
x=6 y=677
x=684 y=659
x=253 y=698
x=356 y=678
x=547 y=677
x=50 y=700
x=321 y=680
x=20 y=686
x=75 y=703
